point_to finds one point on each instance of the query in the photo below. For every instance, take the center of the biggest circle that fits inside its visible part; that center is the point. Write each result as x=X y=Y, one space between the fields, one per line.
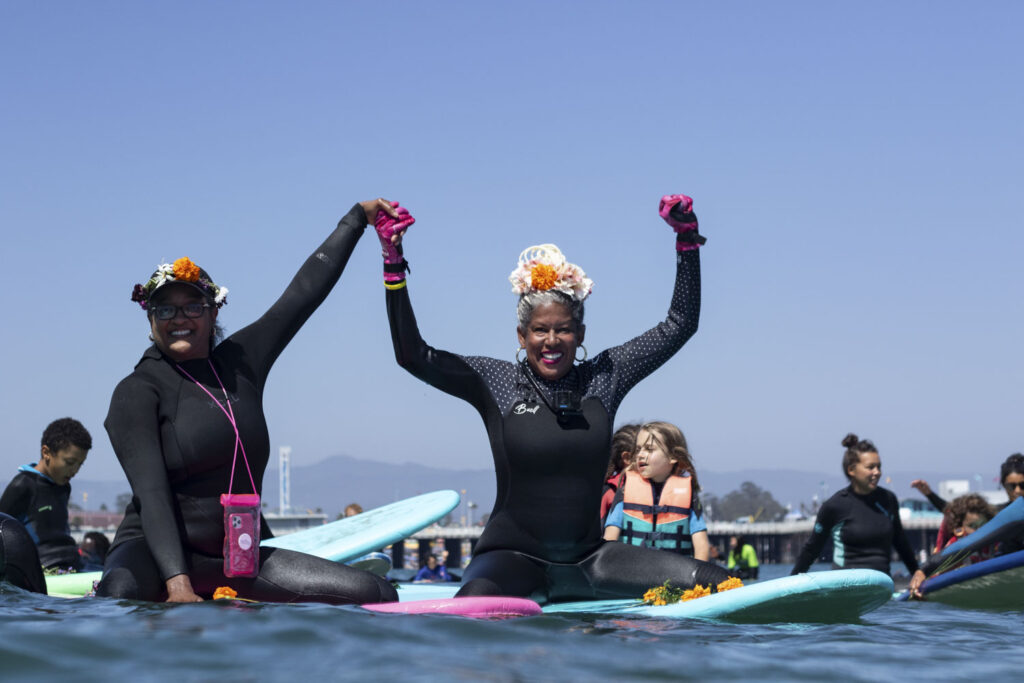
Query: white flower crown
x=543 y=267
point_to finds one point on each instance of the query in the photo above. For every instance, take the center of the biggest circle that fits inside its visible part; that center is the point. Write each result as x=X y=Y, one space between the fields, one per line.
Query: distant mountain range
x=333 y=483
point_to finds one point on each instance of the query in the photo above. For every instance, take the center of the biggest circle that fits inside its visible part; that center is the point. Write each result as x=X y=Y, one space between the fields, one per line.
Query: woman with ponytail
x=863 y=520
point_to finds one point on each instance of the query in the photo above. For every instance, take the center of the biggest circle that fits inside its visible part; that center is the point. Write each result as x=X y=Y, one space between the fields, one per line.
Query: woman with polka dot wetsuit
x=550 y=423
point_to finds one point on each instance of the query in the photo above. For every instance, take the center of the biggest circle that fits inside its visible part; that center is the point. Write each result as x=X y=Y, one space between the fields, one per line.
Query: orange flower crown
x=543 y=267
x=182 y=270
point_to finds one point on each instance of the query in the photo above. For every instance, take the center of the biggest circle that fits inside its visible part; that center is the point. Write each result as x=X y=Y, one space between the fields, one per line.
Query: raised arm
x=264 y=339
x=640 y=356
x=440 y=369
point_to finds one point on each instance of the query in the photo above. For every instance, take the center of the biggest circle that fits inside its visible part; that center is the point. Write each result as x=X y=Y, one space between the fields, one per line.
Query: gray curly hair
x=530 y=301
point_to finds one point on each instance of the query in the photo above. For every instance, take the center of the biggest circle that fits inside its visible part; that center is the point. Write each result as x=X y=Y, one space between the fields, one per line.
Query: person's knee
x=386 y=590
x=119 y=583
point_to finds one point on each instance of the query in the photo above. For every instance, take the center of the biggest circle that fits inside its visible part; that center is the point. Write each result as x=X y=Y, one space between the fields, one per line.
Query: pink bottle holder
x=241 y=534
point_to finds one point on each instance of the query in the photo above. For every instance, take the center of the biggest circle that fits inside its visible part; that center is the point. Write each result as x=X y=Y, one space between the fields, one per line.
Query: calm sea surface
x=88 y=639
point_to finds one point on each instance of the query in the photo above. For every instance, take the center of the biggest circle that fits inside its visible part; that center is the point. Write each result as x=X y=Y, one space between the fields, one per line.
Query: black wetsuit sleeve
x=264 y=339
x=939 y=503
x=642 y=355
x=133 y=426
x=823 y=524
x=440 y=369
x=16 y=498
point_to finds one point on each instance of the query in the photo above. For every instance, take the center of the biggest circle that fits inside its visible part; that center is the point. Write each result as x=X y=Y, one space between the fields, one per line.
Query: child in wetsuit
x=659 y=506
x=38 y=495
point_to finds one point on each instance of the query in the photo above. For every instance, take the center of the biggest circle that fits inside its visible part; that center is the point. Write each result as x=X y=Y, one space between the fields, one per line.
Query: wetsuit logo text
x=521 y=408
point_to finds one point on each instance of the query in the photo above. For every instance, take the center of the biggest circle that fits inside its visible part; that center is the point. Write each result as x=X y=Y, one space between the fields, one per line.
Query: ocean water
x=43 y=638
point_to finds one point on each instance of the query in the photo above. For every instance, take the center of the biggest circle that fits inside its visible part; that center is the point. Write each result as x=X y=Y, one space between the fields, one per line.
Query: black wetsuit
x=19 y=561
x=41 y=505
x=543 y=539
x=863 y=529
x=176 y=448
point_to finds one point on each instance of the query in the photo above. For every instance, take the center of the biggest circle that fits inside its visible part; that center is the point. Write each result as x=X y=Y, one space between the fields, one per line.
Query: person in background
x=93 y=549
x=623 y=442
x=863 y=519
x=353 y=509
x=432 y=572
x=38 y=495
x=1007 y=539
x=659 y=506
x=742 y=561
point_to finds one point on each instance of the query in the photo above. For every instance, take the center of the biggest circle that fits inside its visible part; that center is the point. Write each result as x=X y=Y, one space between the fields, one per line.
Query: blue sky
x=856 y=169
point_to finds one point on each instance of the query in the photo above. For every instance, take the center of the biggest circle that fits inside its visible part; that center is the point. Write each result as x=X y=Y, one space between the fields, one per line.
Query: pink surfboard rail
x=485 y=607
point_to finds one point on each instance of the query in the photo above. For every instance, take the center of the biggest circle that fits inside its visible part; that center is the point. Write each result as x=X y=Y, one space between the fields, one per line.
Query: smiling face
x=182 y=338
x=652 y=460
x=865 y=473
x=62 y=465
x=550 y=339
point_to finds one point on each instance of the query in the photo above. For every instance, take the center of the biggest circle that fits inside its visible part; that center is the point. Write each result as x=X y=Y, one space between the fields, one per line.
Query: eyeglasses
x=977 y=523
x=1011 y=485
x=167 y=311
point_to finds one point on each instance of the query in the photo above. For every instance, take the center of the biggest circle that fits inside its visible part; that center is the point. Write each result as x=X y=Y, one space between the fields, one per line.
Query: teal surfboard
x=839 y=596
x=351 y=537
x=340 y=541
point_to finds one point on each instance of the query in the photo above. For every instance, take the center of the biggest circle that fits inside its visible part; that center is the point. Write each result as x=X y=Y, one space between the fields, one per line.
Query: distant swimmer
x=188 y=426
x=432 y=572
x=659 y=506
x=742 y=559
x=549 y=418
x=863 y=519
x=40 y=493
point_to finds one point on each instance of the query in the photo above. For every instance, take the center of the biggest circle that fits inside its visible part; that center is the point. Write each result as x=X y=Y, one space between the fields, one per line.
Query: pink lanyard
x=230 y=414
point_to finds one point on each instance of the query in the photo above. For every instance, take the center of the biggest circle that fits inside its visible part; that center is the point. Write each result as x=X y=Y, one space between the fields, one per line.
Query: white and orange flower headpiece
x=543 y=267
x=182 y=271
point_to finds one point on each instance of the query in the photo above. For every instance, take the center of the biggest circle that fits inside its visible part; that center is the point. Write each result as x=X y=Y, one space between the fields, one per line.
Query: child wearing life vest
x=658 y=506
x=623 y=441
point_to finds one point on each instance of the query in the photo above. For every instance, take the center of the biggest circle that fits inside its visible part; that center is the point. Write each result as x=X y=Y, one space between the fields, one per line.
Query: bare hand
x=179 y=589
x=372 y=206
x=922 y=486
x=915 y=583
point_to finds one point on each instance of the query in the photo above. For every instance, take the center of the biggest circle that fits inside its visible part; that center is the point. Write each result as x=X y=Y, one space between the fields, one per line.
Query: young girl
x=659 y=505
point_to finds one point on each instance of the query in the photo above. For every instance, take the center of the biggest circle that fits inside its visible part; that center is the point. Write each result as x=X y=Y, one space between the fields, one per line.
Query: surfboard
x=497 y=607
x=839 y=596
x=992 y=584
x=341 y=541
x=348 y=538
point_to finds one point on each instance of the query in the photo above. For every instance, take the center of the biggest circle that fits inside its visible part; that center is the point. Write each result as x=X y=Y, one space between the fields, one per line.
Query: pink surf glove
x=395 y=265
x=677 y=211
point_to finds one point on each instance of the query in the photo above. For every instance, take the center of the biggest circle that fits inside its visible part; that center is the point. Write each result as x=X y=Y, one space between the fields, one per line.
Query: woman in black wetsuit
x=863 y=520
x=550 y=424
x=170 y=428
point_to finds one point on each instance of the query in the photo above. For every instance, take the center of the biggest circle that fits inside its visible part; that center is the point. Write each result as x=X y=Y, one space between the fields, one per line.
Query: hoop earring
x=518 y=359
x=580 y=360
